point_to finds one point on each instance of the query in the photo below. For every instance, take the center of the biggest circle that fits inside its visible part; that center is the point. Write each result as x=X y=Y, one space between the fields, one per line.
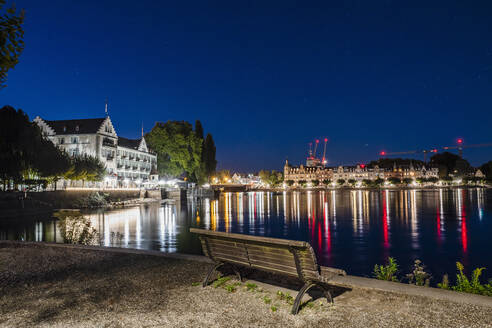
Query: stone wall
x=66 y=198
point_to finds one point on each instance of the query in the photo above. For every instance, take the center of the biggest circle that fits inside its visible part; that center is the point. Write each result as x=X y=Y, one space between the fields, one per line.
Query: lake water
x=349 y=229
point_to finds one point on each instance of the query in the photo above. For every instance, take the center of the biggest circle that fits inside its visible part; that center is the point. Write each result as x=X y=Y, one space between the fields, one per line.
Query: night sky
x=265 y=77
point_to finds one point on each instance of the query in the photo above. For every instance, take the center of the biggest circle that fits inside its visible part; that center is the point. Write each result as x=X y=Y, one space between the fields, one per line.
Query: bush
x=315 y=183
x=341 y=182
x=386 y=272
x=76 y=229
x=326 y=182
x=463 y=284
x=418 y=276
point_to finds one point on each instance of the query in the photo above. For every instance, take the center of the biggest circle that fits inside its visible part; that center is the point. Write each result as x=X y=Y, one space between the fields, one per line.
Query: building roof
x=129 y=143
x=79 y=126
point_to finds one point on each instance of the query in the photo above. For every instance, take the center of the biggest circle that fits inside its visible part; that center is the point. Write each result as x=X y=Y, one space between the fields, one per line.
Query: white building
x=125 y=159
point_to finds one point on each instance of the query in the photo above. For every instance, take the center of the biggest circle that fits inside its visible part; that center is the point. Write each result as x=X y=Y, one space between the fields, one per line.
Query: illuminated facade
x=357 y=173
x=124 y=158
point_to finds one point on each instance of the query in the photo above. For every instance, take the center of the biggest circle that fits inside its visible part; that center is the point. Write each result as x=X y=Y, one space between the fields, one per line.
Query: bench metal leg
x=212 y=270
x=327 y=293
x=297 y=302
x=237 y=272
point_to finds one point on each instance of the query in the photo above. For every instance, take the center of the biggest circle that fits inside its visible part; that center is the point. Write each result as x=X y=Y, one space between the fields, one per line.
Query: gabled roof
x=129 y=143
x=80 y=126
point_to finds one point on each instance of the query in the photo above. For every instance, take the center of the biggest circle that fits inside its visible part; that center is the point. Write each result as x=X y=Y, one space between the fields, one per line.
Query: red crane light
x=326 y=139
x=317 y=141
x=363 y=166
x=460 y=141
x=434 y=150
x=383 y=153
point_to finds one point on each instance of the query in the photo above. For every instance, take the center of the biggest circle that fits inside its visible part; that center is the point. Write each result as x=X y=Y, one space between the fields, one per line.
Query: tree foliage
x=24 y=152
x=389 y=163
x=181 y=151
x=208 y=158
x=11 y=40
x=449 y=163
x=178 y=148
x=487 y=169
x=272 y=178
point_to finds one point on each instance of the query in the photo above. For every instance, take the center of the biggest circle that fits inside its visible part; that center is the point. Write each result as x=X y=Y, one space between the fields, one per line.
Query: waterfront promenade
x=60 y=286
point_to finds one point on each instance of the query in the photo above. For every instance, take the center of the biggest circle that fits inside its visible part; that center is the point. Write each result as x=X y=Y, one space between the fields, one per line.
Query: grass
x=196 y=284
x=251 y=287
x=221 y=282
x=285 y=297
x=267 y=299
x=273 y=308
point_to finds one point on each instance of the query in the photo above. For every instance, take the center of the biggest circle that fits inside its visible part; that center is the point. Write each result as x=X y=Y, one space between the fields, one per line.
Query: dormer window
x=77 y=128
x=64 y=128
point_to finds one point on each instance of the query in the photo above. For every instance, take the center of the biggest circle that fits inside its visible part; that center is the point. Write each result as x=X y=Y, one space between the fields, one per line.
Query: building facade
x=357 y=173
x=126 y=160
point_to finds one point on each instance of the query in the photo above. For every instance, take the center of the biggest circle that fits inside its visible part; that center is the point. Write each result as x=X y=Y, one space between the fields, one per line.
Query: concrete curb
x=351 y=282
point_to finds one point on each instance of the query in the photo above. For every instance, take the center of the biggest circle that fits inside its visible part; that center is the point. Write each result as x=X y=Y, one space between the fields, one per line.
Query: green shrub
x=267 y=300
x=386 y=272
x=463 y=284
x=230 y=288
x=273 y=308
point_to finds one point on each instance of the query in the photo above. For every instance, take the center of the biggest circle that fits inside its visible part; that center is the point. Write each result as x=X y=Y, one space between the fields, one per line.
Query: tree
x=367 y=182
x=86 y=168
x=315 y=183
x=449 y=163
x=199 y=129
x=407 y=181
x=394 y=181
x=340 y=182
x=209 y=161
x=24 y=153
x=487 y=169
x=432 y=180
x=302 y=183
x=11 y=40
x=351 y=182
x=272 y=178
x=326 y=182
x=178 y=149
x=290 y=183
x=223 y=176
x=378 y=182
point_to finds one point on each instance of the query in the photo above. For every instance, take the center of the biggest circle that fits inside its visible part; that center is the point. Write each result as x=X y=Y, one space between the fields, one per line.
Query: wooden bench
x=280 y=256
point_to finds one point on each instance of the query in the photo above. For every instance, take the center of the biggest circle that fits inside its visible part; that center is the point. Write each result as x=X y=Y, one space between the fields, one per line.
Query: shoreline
x=367 y=188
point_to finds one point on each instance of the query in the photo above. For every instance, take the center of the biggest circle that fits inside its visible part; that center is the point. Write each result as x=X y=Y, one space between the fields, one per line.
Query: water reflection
x=351 y=229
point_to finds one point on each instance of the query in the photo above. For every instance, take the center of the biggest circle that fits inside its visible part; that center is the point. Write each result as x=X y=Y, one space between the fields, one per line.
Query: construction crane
x=424 y=151
x=315 y=147
x=459 y=146
x=324 y=161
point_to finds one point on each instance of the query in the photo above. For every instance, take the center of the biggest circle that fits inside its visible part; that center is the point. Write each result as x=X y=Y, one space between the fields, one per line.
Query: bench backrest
x=288 y=257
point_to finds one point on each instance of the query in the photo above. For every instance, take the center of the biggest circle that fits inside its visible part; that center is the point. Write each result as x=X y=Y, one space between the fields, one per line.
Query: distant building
x=357 y=173
x=125 y=159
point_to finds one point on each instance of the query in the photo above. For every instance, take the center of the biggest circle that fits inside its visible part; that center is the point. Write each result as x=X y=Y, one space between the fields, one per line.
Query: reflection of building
x=124 y=158
x=357 y=173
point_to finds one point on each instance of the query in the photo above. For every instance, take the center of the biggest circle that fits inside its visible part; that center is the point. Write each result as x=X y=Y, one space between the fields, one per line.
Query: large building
x=126 y=160
x=357 y=173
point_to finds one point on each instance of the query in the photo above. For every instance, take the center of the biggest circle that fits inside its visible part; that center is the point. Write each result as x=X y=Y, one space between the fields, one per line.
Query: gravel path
x=45 y=286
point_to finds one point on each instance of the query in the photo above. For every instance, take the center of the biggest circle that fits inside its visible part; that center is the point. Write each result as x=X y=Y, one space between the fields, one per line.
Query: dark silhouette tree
x=209 y=161
x=11 y=40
